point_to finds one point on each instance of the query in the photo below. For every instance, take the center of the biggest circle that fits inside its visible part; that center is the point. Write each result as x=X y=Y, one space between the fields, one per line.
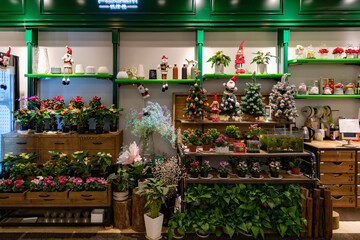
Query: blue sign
x=118 y=4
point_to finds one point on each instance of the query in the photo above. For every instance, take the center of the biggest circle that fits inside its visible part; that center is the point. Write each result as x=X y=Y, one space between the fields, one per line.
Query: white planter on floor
x=121 y=196
x=153 y=226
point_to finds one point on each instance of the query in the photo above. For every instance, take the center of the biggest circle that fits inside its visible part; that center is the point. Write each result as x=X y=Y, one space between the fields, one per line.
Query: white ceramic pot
x=141 y=185
x=337 y=56
x=103 y=70
x=90 y=70
x=153 y=226
x=122 y=75
x=202 y=234
x=261 y=69
x=349 y=55
x=222 y=149
x=121 y=196
x=323 y=55
x=219 y=69
x=79 y=68
x=140 y=72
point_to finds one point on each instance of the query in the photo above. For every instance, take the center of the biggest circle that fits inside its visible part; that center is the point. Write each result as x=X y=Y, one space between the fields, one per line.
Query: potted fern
x=155 y=191
x=220 y=61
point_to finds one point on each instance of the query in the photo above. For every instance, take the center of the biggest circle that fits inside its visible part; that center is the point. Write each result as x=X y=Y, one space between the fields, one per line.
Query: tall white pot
x=153 y=226
x=261 y=69
x=219 y=69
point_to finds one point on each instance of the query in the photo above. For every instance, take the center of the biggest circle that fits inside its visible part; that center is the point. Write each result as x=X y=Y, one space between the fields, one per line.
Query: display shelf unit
x=260 y=154
x=204 y=122
x=261 y=76
x=354 y=61
x=126 y=81
x=75 y=75
x=325 y=96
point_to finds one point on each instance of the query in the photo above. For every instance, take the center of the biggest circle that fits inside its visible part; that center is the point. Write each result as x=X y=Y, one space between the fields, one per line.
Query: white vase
x=261 y=68
x=121 y=196
x=337 y=56
x=219 y=68
x=221 y=149
x=43 y=61
x=153 y=226
x=140 y=72
x=141 y=185
x=349 y=55
x=323 y=55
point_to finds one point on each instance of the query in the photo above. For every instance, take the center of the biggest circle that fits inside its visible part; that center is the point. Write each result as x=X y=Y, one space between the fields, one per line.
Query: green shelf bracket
x=283 y=49
x=31 y=41
x=200 y=43
x=115 y=42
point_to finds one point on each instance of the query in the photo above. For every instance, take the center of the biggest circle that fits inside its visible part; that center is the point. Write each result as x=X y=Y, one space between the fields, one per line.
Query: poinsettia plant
x=34 y=102
x=95 y=184
x=77 y=102
x=95 y=102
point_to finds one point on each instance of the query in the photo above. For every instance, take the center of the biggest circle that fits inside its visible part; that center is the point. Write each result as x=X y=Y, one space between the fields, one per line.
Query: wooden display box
x=11 y=197
x=48 y=196
x=88 y=197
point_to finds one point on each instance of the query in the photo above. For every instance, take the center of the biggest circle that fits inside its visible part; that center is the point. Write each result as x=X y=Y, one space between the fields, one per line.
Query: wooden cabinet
x=337 y=156
x=338 y=167
x=67 y=143
x=343 y=201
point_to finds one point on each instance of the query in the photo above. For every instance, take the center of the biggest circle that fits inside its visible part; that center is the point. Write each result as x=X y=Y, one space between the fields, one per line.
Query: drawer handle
x=86 y=195
x=337 y=174
x=59 y=143
x=21 y=143
x=44 y=196
x=4 y=197
x=89 y=199
x=49 y=200
x=338 y=197
x=97 y=143
x=322 y=174
x=321 y=162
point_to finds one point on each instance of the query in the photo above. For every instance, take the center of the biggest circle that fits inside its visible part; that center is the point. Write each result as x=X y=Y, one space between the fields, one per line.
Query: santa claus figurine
x=144 y=91
x=230 y=85
x=215 y=109
x=164 y=67
x=68 y=61
x=240 y=60
x=5 y=59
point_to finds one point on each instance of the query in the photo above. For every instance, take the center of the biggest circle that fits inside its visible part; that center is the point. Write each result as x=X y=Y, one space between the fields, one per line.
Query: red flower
x=194 y=163
x=96 y=98
x=350 y=50
x=338 y=50
x=324 y=50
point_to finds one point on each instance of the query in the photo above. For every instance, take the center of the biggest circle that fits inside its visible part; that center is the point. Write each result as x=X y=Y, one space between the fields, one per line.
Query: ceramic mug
x=90 y=70
x=122 y=75
x=103 y=70
x=79 y=68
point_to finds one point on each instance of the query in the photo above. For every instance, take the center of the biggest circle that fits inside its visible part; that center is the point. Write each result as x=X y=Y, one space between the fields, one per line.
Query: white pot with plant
x=120 y=185
x=220 y=61
x=262 y=60
x=155 y=191
x=222 y=144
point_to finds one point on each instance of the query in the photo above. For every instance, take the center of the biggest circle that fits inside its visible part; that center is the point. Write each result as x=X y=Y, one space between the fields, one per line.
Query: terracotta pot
x=295 y=171
x=192 y=148
x=206 y=147
x=255 y=138
x=30 y=178
x=212 y=145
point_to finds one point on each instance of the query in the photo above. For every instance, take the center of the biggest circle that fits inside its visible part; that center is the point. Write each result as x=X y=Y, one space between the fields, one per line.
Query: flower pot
x=30 y=178
x=99 y=129
x=206 y=147
x=192 y=148
x=349 y=55
x=223 y=175
x=274 y=174
x=204 y=174
x=153 y=226
x=87 y=127
x=212 y=145
x=81 y=129
x=39 y=128
x=202 y=234
x=255 y=138
x=219 y=68
x=194 y=174
x=323 y=55
x=177 y=235
x=74 y=128
x=19 y=178
x=295 y=171
x=222 y=149
x=261 y=69
x=24 y=127
x=242 y=174
x=337 y=56
x=113 y=128
x=54 y=127
x=141 y=184
x=120 y=196
x=234 y=170
x=255 y=174
x=349 y=91
x=65 y=129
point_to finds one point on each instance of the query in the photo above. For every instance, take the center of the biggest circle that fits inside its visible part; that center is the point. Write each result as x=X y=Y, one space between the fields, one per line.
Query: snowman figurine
x=164 y=67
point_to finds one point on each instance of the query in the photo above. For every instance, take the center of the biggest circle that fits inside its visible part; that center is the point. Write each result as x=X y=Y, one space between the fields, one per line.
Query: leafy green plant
x=114 y=114
x=178 y=223
x=242 y=166
x=82 y=164
x=195 y=167
x=119 y=180
x=232 y=131
x=198 y=194
x=234 y=161
x=262 y=58
x=48 y=169
x=206 y=139
x=219 y=58
x=296 y=163
x=191 y=138
x=102 y=160
x=214 y=133
x=18 y=170
x=31 y=169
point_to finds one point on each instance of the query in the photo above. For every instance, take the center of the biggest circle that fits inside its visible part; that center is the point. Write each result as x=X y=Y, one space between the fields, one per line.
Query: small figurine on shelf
x=327 y=90
x=339 y=89
x=143 y=91
x=349 y=89
x=314 y=90
x=240 y=60
x=310 y=53
x=68 y=61
x=230 y=107
x=215 y=109
x=5 y=59
x=164 y=67
x=299 y=51
x=302 y=89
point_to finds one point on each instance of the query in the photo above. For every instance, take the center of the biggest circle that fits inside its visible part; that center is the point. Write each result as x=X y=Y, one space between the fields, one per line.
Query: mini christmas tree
x=282 y=101
x=229 y=104
x=196 y=102
x=252 y=104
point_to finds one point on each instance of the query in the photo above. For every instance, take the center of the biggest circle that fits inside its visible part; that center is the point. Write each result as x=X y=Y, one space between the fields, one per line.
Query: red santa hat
x=69 y=50
x=8 y=52
x=241 y=45
x=234 y=77
x=215 y=97
x=164 y=57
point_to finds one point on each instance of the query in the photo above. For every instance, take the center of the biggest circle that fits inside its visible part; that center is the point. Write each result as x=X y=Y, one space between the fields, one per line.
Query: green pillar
x=31 y=41
x=283 y=43
x=115 y=42
x=200 y=43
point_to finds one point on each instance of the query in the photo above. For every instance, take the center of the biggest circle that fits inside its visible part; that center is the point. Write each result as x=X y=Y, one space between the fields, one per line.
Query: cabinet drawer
x=59 y=143
x=343 y=201
x=49 y=196
x=342 y=189
x=11 y=197
x=97 y=143
x=19 y=142
x=337 y=156
x=337 y=167
x=341 y=178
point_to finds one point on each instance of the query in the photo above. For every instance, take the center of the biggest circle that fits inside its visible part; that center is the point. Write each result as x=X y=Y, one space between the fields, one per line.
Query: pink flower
x=53 y=184
x=36 y=181
x=90 y=179
x=224 y=164
x=194 y=163
x=19 y=183
x=102 y=181
x=96 y=98
x=78 y=181
x=8 y=181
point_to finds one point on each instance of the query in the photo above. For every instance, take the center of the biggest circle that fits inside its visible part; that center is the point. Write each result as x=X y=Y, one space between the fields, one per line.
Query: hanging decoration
x=240 y=60
x=230 y=107
x=68 y=62
x=143 y=91
x=4 y=61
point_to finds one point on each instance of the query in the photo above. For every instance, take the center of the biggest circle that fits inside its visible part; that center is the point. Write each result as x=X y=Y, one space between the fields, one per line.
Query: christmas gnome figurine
x=68 y=61
x=240 y=60
x=230 y=107
x=196 y=102
x=164 y=66
x=5 y=59
x=282 y=101
x=214 y=107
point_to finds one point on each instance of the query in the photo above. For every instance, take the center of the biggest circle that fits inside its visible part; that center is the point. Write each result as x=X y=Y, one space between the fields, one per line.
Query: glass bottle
x=175 y=72
x=184 y=72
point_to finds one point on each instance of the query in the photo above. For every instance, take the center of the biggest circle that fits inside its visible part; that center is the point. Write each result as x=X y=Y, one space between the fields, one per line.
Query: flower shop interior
x=218 y=119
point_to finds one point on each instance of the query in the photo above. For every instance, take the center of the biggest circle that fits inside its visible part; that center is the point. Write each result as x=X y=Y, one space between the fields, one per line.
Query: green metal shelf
x=326 y=96
x=124 y=81
x=220 y=76
x=75 y=75
x=324 y=61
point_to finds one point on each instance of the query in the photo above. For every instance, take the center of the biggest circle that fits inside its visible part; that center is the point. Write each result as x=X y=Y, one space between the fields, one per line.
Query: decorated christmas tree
x=252 y=104
x=282 y=101
x=229 y=104
x=196 y=102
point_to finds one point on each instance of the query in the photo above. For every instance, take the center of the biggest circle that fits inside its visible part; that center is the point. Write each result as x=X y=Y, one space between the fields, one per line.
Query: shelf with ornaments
x=325 y=96
x=260 y=76
x=354 y=61
x=75 y=75
x=161 y=81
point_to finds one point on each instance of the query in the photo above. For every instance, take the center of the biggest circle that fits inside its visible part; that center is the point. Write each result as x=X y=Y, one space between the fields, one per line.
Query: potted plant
x=103 y=161
x=223 y=169
x=205 y=169
x=222 y=144
x=242 y=169
x=137 y=171
x=23 y=117
x=234 y=161
x=206 y=141
x=65 y=117
x=296 y=166
x=31 y=171
x=191 y=140
x=323 y=53
x=51 y=116
x=77 y=102
x=262 y=59
x=187 y=161
x=178 y=225
x=337 y=52
x=82 y=115
x=255 y=170
x=90 y=188
x=99 y=114
x=275 y=168
x=34 y=103
x=38 y=117
x=48 y=169
x=77 y=185
x=195 y=169
x=155 y=191
x=18 y=171
x=12 y=191
x=114 y=114
x=232 y=132
x=120 y=184
x=220 y=61
x=36 y=185
x=82 y=164
x=254 y=132
x=350 y=52
x=61 y=169
x=215 y=134
x=95 y=184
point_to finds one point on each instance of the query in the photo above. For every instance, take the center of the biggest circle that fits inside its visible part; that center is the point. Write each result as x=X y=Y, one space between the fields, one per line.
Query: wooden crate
x=337 y=167
x=11 y=197
x=337 y=156
x=49 y=196
x=342 y=189
x=332 y=178
x=343 y=201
